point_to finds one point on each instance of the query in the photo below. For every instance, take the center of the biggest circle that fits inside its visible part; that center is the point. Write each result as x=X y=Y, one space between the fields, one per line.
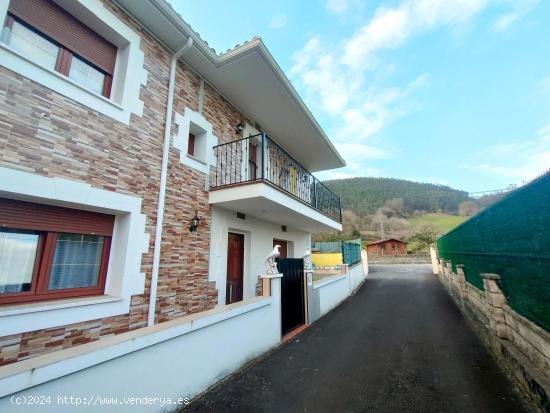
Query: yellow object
x=327 y=260
x=293 y=181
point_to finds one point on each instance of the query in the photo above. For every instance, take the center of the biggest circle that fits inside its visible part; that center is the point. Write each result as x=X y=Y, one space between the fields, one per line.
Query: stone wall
x=400 y=259
x=521 y=347
x=45 y=133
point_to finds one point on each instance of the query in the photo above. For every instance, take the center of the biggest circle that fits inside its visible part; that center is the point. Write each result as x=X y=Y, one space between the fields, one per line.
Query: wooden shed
x=390 y=246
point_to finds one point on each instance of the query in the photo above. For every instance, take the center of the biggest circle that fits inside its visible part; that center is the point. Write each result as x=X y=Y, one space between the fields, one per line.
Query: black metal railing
x=257 y=158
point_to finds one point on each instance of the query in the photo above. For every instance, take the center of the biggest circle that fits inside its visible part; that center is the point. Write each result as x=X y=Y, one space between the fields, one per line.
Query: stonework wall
x=399 y=259
x=44 y=133
x=521 y=347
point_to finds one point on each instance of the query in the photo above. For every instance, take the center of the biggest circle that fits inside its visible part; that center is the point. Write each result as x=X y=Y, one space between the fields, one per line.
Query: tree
x=423 y=237
x=467 y=208
x=395 y=207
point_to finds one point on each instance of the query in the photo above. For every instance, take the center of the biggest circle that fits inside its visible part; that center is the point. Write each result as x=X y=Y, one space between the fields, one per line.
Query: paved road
x=398 y=345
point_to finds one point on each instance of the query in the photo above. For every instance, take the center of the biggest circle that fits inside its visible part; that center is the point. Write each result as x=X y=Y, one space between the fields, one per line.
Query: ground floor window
x=49 y=252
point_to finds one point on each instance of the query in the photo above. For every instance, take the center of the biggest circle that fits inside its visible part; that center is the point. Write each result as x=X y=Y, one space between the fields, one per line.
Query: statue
x=308 y=265
x=270 y=264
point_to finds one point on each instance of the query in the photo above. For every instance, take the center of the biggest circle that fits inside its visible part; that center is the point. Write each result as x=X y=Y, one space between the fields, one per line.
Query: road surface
x=398 y=345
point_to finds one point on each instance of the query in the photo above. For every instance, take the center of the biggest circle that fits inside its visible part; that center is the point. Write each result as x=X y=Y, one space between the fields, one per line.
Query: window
x=197 y=143
x=195 y=132
x=191 y=145
x=32 y=45
x=46 y=34
x=87 y=76
x=50 y=252
x=18 y=253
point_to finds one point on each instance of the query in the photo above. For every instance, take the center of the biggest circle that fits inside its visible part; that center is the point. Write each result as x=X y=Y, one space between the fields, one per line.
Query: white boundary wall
x=170 y=360
x=356 y=276
x=332 y=292
x=328 y=293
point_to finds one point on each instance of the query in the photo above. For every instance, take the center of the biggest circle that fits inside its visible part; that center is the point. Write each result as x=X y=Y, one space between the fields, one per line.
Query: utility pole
x=381 y=226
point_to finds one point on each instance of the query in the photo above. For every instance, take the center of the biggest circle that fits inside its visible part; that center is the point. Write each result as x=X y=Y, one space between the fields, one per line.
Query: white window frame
x=129 y=73
x=129 y=242
x=194 y=122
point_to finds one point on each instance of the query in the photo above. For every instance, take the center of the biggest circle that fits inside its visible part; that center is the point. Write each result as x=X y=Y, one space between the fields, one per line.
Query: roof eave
x=256 y=45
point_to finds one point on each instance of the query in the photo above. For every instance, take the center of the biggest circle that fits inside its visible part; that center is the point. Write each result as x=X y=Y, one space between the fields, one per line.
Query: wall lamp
x=194 y=223
x=239 y=128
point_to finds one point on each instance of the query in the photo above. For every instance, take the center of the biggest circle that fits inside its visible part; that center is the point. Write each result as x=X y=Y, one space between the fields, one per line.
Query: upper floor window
x=49 y=36
x=191 y=145
x=49 y=252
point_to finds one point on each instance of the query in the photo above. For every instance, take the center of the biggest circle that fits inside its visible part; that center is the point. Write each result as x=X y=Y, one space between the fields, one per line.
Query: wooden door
x=284 y=247
x=235 y=268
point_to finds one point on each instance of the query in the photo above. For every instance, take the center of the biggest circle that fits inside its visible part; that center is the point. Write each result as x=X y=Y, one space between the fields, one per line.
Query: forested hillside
x=367 y=195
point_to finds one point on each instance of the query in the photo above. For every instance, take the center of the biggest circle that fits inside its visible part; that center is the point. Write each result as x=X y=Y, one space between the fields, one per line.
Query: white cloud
x=344 y=80
x=520 y=161
x=519 y=9
x=341 y=79
x=392 y=27
x=337 y=6
x=278 y=21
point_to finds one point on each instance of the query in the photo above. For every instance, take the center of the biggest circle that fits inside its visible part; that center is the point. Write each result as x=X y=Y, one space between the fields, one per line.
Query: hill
x=366 y=195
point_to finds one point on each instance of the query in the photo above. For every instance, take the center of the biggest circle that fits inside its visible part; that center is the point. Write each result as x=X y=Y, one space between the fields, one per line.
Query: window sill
x=25 y=308
x=196 y=159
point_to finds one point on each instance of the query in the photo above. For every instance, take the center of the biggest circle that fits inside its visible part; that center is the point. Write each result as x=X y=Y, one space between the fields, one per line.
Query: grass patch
x=441 y=222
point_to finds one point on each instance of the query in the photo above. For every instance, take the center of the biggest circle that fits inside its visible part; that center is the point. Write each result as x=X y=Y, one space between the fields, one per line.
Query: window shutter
x=31 y=216
x=50 y=19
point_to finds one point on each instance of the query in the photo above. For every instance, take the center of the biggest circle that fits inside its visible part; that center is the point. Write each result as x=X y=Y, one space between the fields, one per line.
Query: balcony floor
x=262 y=200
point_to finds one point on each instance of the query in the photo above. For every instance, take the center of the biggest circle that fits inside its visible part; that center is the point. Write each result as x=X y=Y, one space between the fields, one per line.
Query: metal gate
x=292 y=293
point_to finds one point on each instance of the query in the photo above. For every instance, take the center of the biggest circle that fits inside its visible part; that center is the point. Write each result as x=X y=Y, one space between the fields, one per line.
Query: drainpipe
x=163 y=178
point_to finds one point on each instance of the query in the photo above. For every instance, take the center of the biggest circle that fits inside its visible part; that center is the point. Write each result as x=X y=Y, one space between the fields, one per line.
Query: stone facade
x=44 y=133
x=520 y=346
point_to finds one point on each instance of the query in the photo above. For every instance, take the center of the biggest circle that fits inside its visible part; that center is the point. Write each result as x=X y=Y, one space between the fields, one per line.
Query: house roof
x=250 y=78
x=386 y=240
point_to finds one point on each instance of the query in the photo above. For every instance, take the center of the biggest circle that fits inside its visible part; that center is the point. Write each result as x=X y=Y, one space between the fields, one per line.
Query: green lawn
x=441 y=222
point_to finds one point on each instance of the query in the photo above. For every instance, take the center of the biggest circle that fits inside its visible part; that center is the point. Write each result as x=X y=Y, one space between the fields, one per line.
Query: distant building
x=390 y=246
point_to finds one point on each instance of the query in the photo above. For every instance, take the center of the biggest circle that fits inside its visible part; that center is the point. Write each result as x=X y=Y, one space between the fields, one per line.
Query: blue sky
x=455 y=92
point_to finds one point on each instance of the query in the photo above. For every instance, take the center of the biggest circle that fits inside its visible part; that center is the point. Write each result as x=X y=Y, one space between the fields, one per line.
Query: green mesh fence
x=351 y=252
x=510 y=238
x=335 y=246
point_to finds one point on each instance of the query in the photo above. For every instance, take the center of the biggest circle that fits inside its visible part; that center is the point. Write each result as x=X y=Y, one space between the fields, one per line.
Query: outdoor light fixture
x=194 y=223
x=239 y=128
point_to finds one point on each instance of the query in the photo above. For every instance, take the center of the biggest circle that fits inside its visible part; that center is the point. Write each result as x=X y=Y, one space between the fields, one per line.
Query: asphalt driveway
x=398 y=345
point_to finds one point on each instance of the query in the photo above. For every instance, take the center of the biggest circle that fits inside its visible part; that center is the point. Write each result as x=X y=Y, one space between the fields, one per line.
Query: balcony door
x=250 y=157
x=235 y=268
x=252 y=161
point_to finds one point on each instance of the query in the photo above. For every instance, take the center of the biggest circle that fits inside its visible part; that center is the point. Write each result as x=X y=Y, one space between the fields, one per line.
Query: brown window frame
x=65 y=55
x=44 y=259
x=191 y=144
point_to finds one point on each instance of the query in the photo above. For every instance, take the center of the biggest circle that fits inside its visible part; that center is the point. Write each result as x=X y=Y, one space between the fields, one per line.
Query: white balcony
x=257 y=177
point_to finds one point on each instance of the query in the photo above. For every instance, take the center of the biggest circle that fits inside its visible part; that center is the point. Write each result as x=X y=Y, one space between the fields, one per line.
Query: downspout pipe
x=163 y=179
